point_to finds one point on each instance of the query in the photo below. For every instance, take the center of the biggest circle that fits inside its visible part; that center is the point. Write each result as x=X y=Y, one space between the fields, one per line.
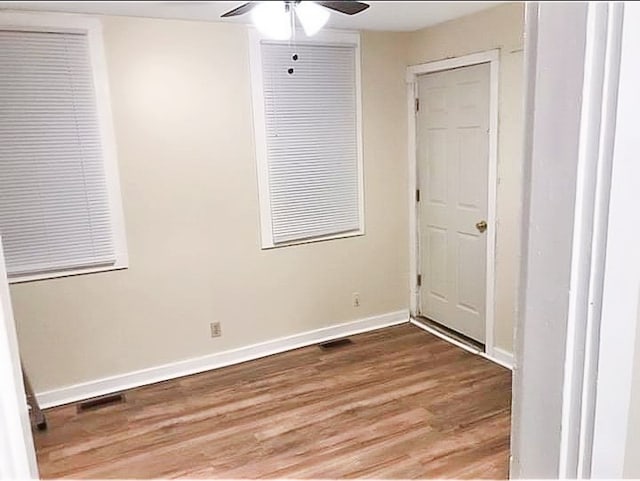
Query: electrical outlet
x=216 y=330
x=356 y=299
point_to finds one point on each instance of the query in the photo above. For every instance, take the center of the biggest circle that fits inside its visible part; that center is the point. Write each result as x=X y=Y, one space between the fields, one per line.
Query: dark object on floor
x=335 y=344
x=102 y=401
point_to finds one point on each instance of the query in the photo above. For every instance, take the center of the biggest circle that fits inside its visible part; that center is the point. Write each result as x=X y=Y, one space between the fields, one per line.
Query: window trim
x=93 y=28
x=260 y=138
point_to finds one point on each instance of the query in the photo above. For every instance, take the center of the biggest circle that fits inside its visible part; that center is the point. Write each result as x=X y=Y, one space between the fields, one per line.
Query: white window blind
x=54 y=206
x=312 y=139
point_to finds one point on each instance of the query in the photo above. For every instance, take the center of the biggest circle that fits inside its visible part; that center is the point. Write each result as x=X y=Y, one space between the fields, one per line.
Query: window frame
x=93 y=28
x=260 y=138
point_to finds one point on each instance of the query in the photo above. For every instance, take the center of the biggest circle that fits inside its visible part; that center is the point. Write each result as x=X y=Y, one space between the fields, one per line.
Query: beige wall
x=632 y=449
x=181 y=104
x=497 y=28
x=180 y=95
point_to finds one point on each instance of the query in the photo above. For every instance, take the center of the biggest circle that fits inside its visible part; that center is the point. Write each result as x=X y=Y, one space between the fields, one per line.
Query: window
x=59 y=200
x=306 y=97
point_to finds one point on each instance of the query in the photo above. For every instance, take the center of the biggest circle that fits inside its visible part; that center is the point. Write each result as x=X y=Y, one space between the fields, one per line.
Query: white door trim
x=620 y=296
x=17 y=453
x=593 y=185
x=492 y=57
x=581 y=267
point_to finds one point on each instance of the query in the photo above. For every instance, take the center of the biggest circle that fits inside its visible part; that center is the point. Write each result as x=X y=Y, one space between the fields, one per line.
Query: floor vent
x=101 y=402
x=335 y=344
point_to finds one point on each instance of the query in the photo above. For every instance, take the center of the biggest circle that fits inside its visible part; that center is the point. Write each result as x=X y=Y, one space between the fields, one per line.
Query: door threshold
x=456 y=339
x=449 y=335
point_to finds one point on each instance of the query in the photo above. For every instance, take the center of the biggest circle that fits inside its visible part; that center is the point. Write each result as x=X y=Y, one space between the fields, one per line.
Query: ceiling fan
x=276 y=19
x=346 y=7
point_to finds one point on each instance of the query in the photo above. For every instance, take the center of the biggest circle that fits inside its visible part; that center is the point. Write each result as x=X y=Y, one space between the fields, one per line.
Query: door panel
x=437 y=145
x=453 y=161
x=469 y=270
x=471 y=193
x=438 y=263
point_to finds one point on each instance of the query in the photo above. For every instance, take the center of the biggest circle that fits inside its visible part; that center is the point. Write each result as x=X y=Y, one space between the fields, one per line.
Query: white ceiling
x=395 y=16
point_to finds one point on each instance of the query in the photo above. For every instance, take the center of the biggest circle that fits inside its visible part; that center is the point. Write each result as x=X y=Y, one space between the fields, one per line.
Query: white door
x=17 y=455
x=453 y=162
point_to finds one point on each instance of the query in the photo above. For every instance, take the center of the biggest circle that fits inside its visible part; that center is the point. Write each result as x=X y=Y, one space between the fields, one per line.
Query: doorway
x=454 y=144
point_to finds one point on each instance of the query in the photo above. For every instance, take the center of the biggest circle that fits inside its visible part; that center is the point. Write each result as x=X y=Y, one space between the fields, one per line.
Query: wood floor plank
x=397 y=403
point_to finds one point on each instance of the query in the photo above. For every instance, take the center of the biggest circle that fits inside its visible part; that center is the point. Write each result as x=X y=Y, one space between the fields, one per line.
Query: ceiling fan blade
x=346 y=7
x=241 y=9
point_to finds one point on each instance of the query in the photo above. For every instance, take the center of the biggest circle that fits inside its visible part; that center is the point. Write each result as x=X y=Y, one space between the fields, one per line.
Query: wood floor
x=397 y=403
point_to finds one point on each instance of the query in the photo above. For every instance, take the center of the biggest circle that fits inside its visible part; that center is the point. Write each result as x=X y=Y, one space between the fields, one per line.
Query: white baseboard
x=502 y=357
x=108 y=385
x=499 y=356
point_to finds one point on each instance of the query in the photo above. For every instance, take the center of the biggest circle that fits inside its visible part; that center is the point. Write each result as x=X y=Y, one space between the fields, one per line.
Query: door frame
x=578 y=230
x=17 y=452
x=492 y=57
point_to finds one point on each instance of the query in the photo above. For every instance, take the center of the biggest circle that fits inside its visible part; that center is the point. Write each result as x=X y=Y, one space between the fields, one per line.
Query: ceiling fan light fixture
x=312 y=17
x=273 y=19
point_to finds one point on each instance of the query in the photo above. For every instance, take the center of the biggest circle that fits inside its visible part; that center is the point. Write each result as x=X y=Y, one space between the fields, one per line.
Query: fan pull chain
x=292 y=40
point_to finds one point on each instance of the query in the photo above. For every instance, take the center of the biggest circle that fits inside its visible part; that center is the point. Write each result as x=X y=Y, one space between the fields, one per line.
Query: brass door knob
x=481 y=226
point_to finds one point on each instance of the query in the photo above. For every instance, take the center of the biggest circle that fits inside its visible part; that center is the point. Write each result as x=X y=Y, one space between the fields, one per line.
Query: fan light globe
x=273 y=20
x=312 y=17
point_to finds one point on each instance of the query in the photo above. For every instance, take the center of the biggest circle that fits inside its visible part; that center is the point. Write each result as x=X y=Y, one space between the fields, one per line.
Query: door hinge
x=417 y=104
x=417 y=195
x=419 y=280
